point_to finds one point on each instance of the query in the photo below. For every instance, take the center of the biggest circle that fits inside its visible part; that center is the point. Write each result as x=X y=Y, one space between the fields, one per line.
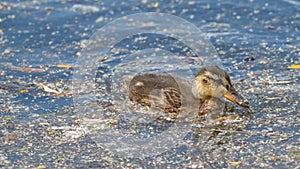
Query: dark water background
x=257 y=41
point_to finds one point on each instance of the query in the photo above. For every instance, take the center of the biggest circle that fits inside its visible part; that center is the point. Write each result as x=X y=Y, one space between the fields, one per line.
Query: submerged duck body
x=174 y=94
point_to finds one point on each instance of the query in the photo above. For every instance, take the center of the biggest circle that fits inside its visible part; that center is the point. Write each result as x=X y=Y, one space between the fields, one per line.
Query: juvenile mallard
x=173 y=94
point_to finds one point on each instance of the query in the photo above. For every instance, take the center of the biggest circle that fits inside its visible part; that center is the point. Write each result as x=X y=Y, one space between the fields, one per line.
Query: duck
x=174 y=95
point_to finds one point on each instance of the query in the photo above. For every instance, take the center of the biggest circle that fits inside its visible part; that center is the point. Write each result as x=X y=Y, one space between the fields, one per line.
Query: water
x=256 y=41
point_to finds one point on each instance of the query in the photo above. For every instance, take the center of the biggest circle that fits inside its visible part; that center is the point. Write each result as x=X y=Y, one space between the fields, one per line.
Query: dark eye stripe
x=216 y=80
x=215 y=74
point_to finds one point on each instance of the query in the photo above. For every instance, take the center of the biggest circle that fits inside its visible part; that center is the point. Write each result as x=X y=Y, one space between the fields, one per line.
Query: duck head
x=212 y=81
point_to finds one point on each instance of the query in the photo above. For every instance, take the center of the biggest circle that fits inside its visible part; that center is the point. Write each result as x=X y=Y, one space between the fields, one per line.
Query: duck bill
x=234 y=97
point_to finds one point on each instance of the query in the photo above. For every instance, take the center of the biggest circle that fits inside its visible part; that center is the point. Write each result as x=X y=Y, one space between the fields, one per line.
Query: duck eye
x=204 y=81
x=227 y=87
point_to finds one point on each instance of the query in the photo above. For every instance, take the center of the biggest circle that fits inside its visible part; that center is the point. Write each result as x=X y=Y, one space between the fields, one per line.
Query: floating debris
x=294 y=66
x=234 y=163
x=280 y=82
x=48 y=89
x=227 y=118
x=27 y=69
x=272 y=98
x=155 y=5
x=41 y=167
x=64 y=66
x=85 y=8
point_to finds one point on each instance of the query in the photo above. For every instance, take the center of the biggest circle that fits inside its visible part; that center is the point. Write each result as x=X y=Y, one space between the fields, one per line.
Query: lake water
x=44 y=49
